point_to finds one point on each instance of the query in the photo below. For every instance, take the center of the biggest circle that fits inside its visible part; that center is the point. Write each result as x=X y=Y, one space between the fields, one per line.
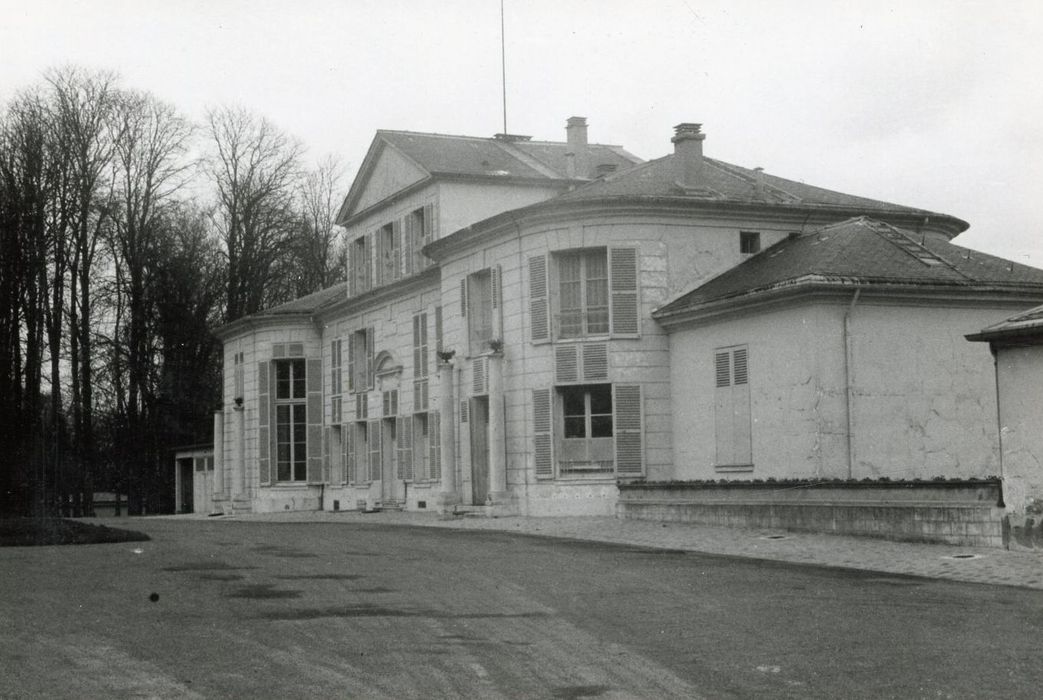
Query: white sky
x=930 y=103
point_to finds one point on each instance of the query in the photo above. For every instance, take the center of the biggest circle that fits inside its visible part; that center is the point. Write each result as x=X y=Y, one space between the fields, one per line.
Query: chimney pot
x=688 y=154
x=576 y=136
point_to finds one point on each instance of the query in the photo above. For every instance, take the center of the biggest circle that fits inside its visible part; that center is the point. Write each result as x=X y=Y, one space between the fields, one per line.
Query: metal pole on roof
x=503 y=68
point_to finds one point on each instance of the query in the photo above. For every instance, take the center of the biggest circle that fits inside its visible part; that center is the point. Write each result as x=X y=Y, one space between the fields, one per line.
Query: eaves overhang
x=801 y=215
x=816 y=287
x=375 y=297
x=262 y=320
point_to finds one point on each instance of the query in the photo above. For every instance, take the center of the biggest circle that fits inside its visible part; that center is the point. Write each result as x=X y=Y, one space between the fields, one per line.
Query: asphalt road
x=285 y=610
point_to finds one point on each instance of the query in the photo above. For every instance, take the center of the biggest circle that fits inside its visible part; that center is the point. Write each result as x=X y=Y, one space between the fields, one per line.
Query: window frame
x=583 y=282
x=589 y=445
x=294 y=407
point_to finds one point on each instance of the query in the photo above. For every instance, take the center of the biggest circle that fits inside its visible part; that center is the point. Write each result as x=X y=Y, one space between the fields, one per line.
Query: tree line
x=127 y=232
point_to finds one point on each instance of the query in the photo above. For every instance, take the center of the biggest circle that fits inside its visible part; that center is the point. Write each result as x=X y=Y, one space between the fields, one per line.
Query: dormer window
x=749 y=242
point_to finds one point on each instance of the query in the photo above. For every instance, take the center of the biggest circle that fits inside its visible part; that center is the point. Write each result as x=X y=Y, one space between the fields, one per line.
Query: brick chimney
x=688 y=155
x=576 y=136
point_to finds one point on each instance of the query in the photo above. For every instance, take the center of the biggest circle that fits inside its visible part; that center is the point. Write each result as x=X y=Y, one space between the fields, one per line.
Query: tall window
x=732 y=408
x=360 y=360
x=291 y=423
x=587 y=429
x=361 y=249
x=335 y=364
x=479 y=306
x=388 y=253
x=583 y=294
x=238 y=390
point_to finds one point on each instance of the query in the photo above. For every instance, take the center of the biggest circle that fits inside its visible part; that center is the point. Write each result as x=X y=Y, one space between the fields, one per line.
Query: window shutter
x=420 y=392
x=408 y=243
x=335 y=409
x=543 y=442
x=350 y=476
x=423 y=345
x=264 y=421
x=496 y=278
x=313 y=387
x=278 y=351
x=371 y=338
x=416 y=346
x=566 y=364
x=722 y=369
x=404 y=436
x=595 y=362
x=351 y=362
x=463 y=411
x=368 y=260
x=624 y=293
x=479 y=376
x=396 y=249
x=374 y=440
x=626 y=404
x=434 y=441
x=740 y=369
x=327 y=458
x=438 y=329
x=539 y=312
x=463 y=299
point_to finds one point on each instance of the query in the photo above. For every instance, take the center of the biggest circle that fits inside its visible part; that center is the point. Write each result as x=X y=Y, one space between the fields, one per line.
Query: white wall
x=922 y=401
x=1020 y=389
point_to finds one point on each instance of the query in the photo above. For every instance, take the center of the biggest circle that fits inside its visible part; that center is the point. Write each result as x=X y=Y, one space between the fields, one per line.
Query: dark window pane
x=601 y=426
x=298 y=379
x=601 y=399
x=284 y=471
x=282 y=380
x=572 y=401
x=576 y=427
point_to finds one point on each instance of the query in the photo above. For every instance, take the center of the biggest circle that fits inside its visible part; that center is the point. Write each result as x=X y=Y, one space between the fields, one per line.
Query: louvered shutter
x=626 y=404
x=351 y=362
x=741 y=425
x=543 y=438
x=725 y=407
x=408 y=244
x=566 y=364
x=395 y=254
x=264 y=422
x=416 y=346
x=404 y=436
x=278 y=351
x=624 y=292
x=479 y=376
x=371 y=342
x=539 y=300
x=313 y=387
x=463 y=307
x=375 y=440
x=438 y=329
x=327 y=456
x=434 y=441
x=368 y=261
x=595 y=362
x=496 y=292
x=350 y=476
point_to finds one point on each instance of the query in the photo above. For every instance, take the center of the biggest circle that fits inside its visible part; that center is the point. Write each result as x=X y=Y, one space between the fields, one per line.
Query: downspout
x=999 y=409
x=849 y=390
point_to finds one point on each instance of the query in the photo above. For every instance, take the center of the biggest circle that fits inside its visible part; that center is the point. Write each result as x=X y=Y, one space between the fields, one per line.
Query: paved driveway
x=254 y=609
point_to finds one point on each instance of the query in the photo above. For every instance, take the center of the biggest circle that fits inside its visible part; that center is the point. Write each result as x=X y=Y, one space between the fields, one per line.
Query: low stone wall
x=953 y=512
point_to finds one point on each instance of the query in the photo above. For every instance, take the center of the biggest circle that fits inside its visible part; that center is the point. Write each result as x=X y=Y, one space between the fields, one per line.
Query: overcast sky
x=930 y=103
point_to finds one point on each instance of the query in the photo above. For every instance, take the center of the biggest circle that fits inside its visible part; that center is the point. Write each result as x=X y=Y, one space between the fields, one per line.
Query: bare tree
x=150 y=141
x=255 y=168
x=319 y=245
x=82 y=105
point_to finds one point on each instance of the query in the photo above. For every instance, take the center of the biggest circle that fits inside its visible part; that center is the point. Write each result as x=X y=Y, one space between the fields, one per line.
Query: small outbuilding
x=194 y=478
x=1017 y=348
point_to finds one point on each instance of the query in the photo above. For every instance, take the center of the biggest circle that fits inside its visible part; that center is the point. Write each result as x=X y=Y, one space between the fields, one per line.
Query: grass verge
x=30 y=532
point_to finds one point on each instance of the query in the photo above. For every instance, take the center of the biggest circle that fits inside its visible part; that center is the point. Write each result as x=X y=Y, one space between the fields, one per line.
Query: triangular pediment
x=384 y=172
